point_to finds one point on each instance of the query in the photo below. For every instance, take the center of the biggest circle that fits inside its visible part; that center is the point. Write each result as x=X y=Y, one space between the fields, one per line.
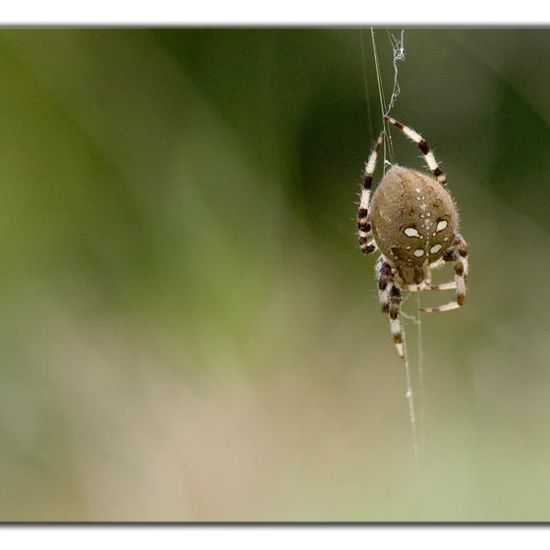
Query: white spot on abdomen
x=435 y=248
x=441 y=225
x=411 y=232
x=418 y=252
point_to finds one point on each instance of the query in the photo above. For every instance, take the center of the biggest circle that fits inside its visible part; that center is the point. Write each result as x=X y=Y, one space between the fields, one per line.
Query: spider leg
x=458 y=254
x=390 y=300
x=424 y=148
x=385 y=282
x=366 y=243
x=419 y=288
x=395 y=322
x=443 y=286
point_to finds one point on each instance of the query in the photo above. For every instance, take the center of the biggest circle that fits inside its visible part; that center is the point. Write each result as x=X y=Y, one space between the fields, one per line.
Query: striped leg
x=390 y=300
x=424 y=148
x=422 y=287
x=385 y=282
x=459 y=255
x=395 y=323
x=366 y=244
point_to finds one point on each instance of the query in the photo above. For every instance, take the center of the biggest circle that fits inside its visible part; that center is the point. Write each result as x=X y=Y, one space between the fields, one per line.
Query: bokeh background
x=188 y=331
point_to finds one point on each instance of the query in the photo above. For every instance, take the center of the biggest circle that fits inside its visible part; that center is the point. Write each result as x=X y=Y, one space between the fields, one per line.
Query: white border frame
x=282 y=12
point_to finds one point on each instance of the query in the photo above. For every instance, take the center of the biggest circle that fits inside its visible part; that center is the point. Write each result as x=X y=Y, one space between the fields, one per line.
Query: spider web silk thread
x=410 y=399
x=366 y=81
x=380 y=95
x=398 y=48
x=418 y=324
x=417 y=321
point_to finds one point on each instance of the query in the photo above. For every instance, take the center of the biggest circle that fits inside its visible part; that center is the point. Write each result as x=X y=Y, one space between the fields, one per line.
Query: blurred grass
x=188 y=330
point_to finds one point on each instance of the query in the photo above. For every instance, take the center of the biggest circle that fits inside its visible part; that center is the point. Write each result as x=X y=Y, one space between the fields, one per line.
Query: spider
x=413 y=221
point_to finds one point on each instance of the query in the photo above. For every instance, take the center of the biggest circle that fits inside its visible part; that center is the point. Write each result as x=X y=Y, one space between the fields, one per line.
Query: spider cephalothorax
x=412 y=220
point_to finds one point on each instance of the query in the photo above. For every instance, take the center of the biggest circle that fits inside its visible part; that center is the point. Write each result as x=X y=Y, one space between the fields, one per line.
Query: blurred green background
x=188 y=330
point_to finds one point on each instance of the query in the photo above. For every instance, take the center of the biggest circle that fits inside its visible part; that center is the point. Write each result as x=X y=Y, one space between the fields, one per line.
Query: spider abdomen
x=414 y=219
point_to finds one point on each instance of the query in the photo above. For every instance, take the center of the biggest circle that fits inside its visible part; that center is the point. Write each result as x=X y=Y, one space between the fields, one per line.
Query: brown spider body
x=413 y=221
